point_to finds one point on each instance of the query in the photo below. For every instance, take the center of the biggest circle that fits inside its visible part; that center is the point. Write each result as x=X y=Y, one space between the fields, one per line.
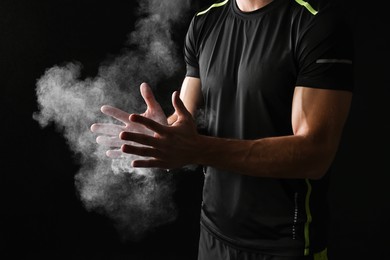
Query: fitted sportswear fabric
x=211 y=248
x=249 y=64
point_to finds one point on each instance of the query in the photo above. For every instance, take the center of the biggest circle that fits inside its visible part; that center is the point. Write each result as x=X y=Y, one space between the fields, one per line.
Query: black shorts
x=211 y=248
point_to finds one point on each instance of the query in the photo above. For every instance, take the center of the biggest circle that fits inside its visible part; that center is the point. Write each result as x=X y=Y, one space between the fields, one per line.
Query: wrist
x=201 y=149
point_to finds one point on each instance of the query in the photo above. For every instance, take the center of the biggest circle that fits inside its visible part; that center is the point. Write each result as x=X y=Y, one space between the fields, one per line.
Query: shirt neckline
x=256 y=13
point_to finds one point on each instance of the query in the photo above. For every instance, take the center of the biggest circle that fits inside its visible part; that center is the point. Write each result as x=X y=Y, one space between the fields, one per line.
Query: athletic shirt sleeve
x=190 y=55
x=325 y=51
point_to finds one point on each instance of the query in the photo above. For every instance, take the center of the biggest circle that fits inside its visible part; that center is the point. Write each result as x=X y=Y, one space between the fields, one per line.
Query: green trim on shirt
x=307 y=6
x=212 y=6
x=308 y=217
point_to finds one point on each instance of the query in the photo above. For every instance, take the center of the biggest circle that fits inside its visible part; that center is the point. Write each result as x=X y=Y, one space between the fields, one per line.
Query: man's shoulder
x=211 y=12
x=213 y=8
x=208 y=16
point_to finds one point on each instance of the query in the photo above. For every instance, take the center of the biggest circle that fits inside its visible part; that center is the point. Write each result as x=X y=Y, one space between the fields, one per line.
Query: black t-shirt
x=249 y=64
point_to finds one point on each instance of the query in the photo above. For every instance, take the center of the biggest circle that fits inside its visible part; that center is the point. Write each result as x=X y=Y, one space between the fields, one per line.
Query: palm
x=109 y=133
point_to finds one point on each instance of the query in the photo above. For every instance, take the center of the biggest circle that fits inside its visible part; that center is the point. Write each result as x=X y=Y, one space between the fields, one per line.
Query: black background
x=41 y=214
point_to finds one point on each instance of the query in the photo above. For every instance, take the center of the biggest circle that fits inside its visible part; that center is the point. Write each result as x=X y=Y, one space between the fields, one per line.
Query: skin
x=318 y=118
x=109 y=133
x=251 y=5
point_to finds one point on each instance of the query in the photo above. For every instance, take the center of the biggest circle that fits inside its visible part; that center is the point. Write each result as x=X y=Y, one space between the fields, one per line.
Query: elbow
x=319 y=166
x=319 y=156
x=317 y=175
x=316 y=171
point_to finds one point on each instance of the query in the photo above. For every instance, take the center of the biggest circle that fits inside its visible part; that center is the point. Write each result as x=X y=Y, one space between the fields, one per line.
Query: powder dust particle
x=137 y=200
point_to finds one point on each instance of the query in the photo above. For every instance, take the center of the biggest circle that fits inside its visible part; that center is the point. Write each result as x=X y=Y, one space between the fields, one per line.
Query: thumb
x=147 y=95
x=179 y=106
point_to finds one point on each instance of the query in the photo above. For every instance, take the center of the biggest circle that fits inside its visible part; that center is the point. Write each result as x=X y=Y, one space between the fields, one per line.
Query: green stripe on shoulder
x=307 y=6
x=212 y=6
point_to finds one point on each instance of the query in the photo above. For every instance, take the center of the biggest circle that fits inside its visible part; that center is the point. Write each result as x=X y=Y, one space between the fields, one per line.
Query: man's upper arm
x=191 y=94
x=320 y=115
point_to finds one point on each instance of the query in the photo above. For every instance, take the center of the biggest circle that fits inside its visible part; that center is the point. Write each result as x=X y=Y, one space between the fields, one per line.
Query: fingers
x=110 y=141
x=147 y=163
x=148 y=123
x=107 y=129
x=115 y=113
x=151 y=163
x=138 y=138
x=140 y=150
x=118 y=154
x=114 y=154
x=149 y=145
x=148 y=96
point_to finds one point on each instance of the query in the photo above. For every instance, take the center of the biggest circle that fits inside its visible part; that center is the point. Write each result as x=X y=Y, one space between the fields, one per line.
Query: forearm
x=278 y=157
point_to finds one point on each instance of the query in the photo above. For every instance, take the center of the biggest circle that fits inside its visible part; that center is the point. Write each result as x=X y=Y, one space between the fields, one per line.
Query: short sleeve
x=190 y=52
x=325 y=52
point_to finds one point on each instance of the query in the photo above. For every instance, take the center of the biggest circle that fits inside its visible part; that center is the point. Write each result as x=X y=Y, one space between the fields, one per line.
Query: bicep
x=191 y=94
x=320 y=115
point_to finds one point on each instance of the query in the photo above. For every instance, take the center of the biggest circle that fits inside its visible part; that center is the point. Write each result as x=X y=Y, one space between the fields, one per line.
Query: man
x=274 y=79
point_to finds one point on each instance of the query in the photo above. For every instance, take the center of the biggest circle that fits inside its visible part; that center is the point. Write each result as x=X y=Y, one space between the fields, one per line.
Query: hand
x=171 y=146
x=109 y=133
